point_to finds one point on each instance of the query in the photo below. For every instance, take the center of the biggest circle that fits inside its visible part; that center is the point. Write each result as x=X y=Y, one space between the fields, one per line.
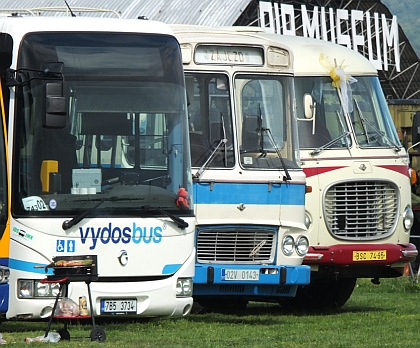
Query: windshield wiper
x=74 y=221
x=329 y=144
x=224 y=137
x=343 y=129
x=365 y=122
x=182 y=224
x=210 y=158
x=70 y=223
x=273 y=143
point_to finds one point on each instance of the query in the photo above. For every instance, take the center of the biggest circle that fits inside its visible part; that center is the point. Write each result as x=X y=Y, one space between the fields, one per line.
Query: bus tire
x=322 y=294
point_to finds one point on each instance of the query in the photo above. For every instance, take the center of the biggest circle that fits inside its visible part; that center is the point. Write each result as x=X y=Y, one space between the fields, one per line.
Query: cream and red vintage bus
x=359 y=212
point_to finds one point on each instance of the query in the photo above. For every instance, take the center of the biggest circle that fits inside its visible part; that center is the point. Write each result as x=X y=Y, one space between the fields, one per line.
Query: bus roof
x=307 y=51
x=300 y=48
x=222 y=35
x=19 y=26
x=194 y=35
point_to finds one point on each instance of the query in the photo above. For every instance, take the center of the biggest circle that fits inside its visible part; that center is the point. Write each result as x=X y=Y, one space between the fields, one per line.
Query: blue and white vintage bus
x=249 y=189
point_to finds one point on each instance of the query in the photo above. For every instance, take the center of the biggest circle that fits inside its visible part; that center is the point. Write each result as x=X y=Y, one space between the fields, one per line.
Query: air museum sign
x=371 y=33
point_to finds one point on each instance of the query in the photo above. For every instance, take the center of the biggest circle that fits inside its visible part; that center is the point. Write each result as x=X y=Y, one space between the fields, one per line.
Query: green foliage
x=384 y=315
x=407 y=12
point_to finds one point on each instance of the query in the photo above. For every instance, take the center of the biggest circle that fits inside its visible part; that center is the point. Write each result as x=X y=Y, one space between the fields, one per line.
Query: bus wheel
x=321 y=294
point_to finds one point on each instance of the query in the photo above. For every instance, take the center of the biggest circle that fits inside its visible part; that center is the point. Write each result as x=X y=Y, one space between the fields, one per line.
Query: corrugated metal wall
x=202 y=12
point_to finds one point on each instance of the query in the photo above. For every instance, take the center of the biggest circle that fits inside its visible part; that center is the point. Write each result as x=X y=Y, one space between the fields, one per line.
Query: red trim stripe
x=402 y=169
x=319 y=170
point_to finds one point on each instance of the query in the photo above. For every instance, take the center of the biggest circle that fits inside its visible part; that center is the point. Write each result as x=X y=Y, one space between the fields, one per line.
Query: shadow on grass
x=262 y=311
x=255 y=313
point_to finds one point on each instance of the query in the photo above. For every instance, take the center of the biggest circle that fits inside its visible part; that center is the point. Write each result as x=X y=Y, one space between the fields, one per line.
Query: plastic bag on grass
x=51 y=337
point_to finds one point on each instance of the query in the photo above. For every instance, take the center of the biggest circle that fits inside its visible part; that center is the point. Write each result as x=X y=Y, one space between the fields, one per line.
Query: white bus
x=76 y=94
x=359 y=213
x=249 y=190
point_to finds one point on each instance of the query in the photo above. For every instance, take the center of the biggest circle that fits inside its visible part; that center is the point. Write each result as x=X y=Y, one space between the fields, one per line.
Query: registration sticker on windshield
x=247 y=160
x=34 y=203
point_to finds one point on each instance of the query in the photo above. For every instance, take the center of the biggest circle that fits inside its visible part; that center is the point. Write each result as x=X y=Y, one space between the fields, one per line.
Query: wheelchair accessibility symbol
x=62 y=246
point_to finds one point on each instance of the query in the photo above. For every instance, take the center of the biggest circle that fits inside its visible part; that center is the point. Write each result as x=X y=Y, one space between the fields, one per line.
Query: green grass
x=385 y=315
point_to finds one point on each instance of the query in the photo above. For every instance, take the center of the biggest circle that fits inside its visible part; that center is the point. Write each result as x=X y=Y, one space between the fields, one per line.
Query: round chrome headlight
x=288 y=245
x=408 y=218
x=302 y=245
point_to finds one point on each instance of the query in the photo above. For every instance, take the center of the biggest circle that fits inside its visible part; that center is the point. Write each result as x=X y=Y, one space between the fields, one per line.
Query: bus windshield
x=123 y=146
x=328 y=126
x=263 y=108
x=210 y=120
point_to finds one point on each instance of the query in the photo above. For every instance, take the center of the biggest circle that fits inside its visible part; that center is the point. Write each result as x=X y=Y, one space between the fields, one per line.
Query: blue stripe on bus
x=171 y=269
x=26 y=266
x=234 y=193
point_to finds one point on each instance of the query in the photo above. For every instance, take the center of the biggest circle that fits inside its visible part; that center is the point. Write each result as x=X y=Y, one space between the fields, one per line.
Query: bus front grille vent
x=361 y=210
x=236 y=245
x=286 y=289
x=232 y=289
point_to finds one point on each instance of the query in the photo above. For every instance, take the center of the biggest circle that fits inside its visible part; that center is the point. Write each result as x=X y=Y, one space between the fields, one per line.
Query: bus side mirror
x=309 y=106
x=55 y=106
x=415 y=130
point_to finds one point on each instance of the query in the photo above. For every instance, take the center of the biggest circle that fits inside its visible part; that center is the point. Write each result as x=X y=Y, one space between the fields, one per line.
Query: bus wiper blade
x=182 y=224
x=274 y=145
x=211 y=157
x=74 y=221
x=329 y=144
x=365 y=122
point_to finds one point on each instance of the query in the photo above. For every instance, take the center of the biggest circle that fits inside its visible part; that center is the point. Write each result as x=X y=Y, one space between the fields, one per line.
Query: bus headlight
x=288 y=245
x=184 y=287
x=25 y=288
x=42 y=290
x=4 y=274
x=302 y=245
x=33 y=288
x=408 y=218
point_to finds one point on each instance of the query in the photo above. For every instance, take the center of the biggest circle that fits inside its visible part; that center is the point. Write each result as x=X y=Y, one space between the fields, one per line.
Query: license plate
x=376 y=255
x=240 y=274
x=120 y=306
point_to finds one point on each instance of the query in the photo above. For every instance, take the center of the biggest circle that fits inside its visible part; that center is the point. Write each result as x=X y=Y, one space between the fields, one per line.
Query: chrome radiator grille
x=361 y=210
x=234 y=245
